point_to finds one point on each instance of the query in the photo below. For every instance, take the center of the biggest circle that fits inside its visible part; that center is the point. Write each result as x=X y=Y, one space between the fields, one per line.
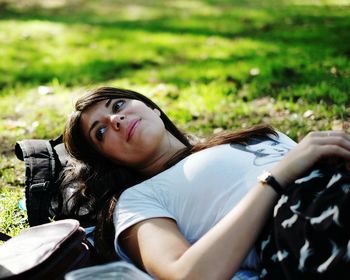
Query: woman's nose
x=117 y=120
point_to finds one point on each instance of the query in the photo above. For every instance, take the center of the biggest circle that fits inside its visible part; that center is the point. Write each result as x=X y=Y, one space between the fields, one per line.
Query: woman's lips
x=131 y=128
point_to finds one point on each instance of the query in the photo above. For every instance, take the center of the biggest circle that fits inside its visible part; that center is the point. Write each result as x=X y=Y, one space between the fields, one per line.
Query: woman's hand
x=313 y=148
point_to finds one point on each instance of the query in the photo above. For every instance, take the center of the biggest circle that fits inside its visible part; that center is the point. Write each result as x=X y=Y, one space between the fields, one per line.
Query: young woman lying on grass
x=197 y=211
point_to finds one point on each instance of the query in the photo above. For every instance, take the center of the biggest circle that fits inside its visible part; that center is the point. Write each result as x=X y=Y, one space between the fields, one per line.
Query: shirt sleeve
x=136 y=205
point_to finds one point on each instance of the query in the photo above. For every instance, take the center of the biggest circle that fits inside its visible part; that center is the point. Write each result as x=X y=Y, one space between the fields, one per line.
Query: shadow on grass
x=85 y=73
x=284 y=25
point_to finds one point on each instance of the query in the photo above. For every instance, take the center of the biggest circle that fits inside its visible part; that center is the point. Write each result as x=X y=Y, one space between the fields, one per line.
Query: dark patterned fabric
x=309 y=236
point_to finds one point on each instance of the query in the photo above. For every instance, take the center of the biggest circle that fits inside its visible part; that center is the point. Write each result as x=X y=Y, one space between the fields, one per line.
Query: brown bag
x=47 y=251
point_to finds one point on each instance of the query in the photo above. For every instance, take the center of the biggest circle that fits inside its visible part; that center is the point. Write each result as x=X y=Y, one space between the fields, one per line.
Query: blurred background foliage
x=211 y=64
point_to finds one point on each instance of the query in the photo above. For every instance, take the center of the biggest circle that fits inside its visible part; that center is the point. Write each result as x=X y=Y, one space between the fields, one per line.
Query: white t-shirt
x=201 y=189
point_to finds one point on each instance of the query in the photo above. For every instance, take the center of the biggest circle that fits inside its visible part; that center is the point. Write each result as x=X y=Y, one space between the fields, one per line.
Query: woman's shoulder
x=136 y=190
x=283 y=138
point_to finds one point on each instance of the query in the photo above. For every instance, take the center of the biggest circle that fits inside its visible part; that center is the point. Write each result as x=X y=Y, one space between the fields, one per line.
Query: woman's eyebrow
x=96 y=122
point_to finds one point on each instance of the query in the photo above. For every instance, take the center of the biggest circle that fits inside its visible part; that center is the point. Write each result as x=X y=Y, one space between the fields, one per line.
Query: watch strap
x=268 y=179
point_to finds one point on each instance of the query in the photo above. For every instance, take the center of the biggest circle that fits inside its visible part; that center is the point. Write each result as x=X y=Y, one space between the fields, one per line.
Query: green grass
x=211 y=65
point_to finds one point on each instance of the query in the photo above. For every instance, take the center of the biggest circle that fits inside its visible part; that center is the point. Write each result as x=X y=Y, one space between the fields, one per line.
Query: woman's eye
x=119 y=104
x=99 y=133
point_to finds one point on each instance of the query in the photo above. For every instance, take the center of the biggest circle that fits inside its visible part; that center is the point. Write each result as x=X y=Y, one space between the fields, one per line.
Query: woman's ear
x=157 y=112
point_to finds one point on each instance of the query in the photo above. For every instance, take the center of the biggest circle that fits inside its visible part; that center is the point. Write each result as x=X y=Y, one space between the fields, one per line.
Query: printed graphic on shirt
x=266 y=150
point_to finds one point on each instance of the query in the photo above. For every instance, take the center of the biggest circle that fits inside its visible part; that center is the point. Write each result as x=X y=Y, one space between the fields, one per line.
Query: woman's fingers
x=329 y=133
x=328 y=144
x=332 y=140
x=334 y=151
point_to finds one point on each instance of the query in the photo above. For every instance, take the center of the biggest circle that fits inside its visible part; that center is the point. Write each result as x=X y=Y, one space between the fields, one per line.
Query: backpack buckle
x=38 y=187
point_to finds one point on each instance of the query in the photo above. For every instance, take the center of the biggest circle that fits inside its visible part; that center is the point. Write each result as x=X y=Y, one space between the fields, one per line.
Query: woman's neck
x=166 y=152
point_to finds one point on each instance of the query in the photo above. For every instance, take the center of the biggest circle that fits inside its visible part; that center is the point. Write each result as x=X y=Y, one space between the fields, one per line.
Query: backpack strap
x=41 y=168
x=60 y=150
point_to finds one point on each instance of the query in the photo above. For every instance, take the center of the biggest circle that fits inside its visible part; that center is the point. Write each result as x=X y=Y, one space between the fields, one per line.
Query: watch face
x=263 y=177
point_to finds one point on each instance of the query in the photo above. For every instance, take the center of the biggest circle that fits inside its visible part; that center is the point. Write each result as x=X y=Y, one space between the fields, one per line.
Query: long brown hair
x=100 y=182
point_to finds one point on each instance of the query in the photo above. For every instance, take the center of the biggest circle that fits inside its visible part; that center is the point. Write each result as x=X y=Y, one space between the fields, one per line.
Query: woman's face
x=124 y=130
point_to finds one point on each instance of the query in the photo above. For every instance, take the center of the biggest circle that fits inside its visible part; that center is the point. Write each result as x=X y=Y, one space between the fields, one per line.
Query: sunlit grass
x=12 y=219
x=318 y=2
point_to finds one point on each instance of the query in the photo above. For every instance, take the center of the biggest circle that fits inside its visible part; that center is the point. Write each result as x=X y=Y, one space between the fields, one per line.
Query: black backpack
x=56 y=248
x=44 y=161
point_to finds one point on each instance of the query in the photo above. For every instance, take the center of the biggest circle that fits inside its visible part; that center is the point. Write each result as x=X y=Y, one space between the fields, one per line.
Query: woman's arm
x=158 y=246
